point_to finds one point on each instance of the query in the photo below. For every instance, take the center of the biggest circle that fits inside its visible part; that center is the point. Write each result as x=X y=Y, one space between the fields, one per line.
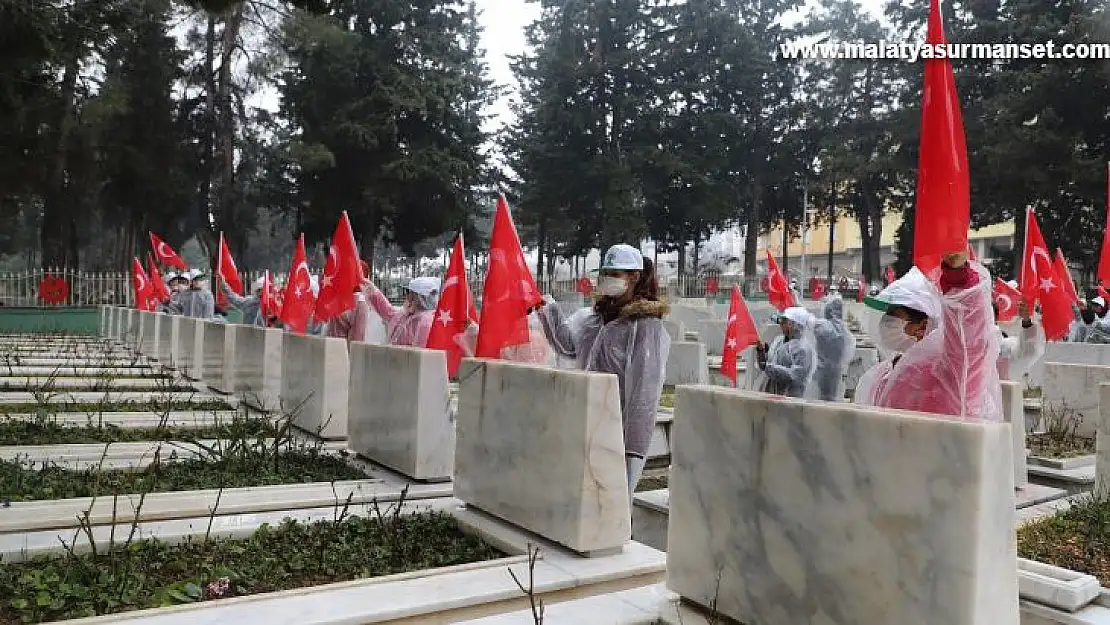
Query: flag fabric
x=1060 y=264
x=890 y=277
x=141 y=283
x=266 y=296
x=298 y=300
x=1007 y=298
x=1103 y=293
x=1104 y=260
x=943 y=214
x=164 y=254
x=158 y=287
x=343 y=273
x=584 y=286
x=509 y=292
x=862 y=292
x=739 y=334
x=226 y=269
x=1040 y=282
x=778 y=289
x=455 y=310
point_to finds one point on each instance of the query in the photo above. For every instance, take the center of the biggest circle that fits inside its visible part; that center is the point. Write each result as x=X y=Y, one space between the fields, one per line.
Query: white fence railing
x=44 y=287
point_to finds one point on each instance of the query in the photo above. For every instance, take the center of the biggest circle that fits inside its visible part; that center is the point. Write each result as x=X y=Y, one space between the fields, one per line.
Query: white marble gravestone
x=184 y=346
x=675 y=329
x=118 y=323
x=315 y=374
x=544 y=449
x=1013 y=412
x=257 y=365
x=1077 y=353
x=687 y=363
x=219 y=355
x=1102 y=440
x=148 y=343
x=1074 y=388
x=712 y=334
x=399 y=413
x=103 y=316
x=133 y=328
x=786 y=512
x=168 y=330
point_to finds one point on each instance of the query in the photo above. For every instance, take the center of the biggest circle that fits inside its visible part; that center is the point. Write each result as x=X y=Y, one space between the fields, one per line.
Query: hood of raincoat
x=834 y=308
x=426 y=290
x=912 y=290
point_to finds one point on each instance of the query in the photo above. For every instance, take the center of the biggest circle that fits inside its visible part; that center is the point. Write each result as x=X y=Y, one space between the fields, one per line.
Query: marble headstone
x=186 y=339
x=399 y=413
x=544 y=449
x=1102 y=440
x=675 y=329
x=168 y=330
x=1077 y=353
x=784 y=512
x=712 y=334
x=1013 y=411
x=1073 y=389
x=314 y=383
x=149 y=344
x=687 y=363
x=258 y=366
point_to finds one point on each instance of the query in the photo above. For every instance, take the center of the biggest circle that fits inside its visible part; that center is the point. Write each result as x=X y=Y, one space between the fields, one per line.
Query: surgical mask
x=612 y=286
x=892 y=335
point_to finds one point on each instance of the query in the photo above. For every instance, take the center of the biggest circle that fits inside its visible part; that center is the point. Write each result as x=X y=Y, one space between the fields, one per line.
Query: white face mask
x=892 y=335
x=612 y=286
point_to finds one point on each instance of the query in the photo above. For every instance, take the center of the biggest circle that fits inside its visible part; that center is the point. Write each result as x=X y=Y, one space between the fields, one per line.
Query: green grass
x=150 y=573
x=46 y=432
x=23 y=481
x=1077 y=538
x=150 y=405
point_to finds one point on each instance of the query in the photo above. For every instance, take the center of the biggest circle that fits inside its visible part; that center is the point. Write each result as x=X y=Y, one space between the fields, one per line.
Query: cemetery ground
x=95 y=434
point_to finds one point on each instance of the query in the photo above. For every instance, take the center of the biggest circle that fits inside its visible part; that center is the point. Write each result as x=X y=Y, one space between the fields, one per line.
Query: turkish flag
x=226 y=269
x=342 y=274
x=1104 y=260
x=739 y=334
x=584 y=286
x=454 y=311
x=510 y=290
x=141 y=282
x=298 y=300
x=1060 y=264
x=816 y=289
x=862 y=292
x=1039 y=281
x=158 y=288
x=1007 y=298
x=164 y=254
x=943 y=214
x=778 y=289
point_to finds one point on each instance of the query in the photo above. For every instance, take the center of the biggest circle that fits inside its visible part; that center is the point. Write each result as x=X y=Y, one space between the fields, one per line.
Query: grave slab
x=186 y=346
x=258 y=363
x=216 y=338
x=399 y=413
x=787 y=512
x=1074 y=388
x=168 y=330
x=1013 y=412
x=520 y=426
x=687 y=363
x=315 y=383
x=151 y=331
x=712 y=333
x=1102 y=441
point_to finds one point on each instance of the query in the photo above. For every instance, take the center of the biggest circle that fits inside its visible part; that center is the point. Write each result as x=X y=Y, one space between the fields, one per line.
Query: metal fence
x=42 y=287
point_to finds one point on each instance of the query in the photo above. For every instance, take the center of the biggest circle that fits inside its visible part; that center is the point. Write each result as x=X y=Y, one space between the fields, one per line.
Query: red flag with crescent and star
x=226 y=269
x=455 y=310
x=778 y=289
x=1062 y=270
x=298 y=300
x=739 y=334
x=1040 y=282
x=164 y=254
x=343 y=274
x=141 y=282
x=1007 y=298
x=509 y=292
x=158 y=287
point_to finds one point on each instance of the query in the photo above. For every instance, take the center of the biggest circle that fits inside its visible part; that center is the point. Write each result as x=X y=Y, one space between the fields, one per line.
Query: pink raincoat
x=403 y=327
x=953 y=370
x=351 y=325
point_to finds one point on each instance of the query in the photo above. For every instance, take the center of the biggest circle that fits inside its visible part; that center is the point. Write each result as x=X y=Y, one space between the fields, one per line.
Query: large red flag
x=943 y=213
x=158 y=288
x=1007 y=298
x=739 y=334
x=1104 y=260
x=298 y=300
x=1060 y=264
x=1039 y=281
x=164 y=254
x=778 y=289
x=454 y=311
x=141 y=282
x=342 y=273
x=510 y=290
x=226 y=269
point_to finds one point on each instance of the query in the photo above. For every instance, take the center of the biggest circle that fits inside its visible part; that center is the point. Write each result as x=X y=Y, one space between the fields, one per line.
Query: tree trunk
x=751 y=235
x=55 y=235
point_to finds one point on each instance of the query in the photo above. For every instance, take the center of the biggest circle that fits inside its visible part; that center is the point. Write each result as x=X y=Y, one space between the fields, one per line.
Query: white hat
x=1098 y=301
x=798 y=316
x=258 y=284
x=171 y=276
x=623 y=258
x=425 y=287
x=912 y=290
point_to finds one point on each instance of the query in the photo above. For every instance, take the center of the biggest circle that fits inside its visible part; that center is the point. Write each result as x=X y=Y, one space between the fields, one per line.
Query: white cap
x=425 y=287
x=798 y=316
x=171 y=276
x=258 y=283
x=912 y=290
x=623 y=258
x=1098 y=301
x=1012 y=283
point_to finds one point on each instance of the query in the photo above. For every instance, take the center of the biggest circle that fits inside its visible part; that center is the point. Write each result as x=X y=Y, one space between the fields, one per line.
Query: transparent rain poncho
x=634 y=346
x=404 y=325
x=1018 y=352
x=835 y=348
x=535 y=352
x=953 y=370
x=791 y=363
x=1099 y=331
